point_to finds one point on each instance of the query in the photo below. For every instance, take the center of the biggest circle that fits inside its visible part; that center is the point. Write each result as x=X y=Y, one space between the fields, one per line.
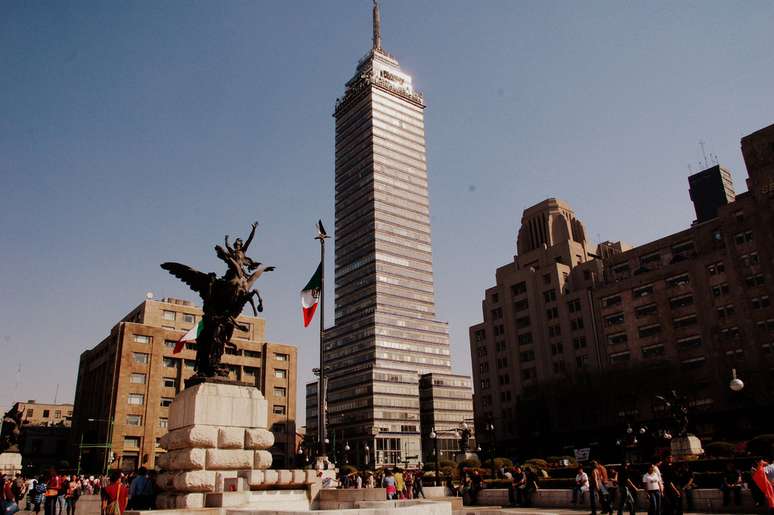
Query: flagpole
x=322 y=391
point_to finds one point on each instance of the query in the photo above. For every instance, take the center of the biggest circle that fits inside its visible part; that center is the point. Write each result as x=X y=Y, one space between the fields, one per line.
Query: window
x=652 y=351
x=46 y=413
x=750 y=259
x=163 y=423
x=691 y=342
x=170 y=362
x=547 y=279
x=554 y=330
x=136 y=399
x=647 y=310
x=677 y=281
x=693 y=363
x=133 y=420
x=140 y=357
x=170 y=344
x=549 y=295
x=681 y=301
x=190 y=345
x=525 y=339
x=281 y=357
x=189 y=363
x=30 y=412
x=141 y=338
x=519 y=289
x=552 y=313
x=497 y=314
x=556 y=348
x=716 y=268
x=579 y=342
x=615 y=319
x=725 y=311
x=528 y=374
x=582 y=361
x=741 y=238
x=188 y=319
x=616 y=338
x=527 y=356
x=612 y=300
x=137 y=378
x=252 y=354
x=720 y=289
x=522 y=322
x=168 y=315
x=647 y=331
x=754 y=280
x=684 y=321
x=278 y=409
x=520 y=305
x=280 y=373
x=576 y=324
x=619 y=357
x=647 y=259
x=760 y=302
x=131 y=442
x=170 y=382
x=574 y=306
x=280 y=391
x=166 y=402
x=642 y=291
x=682 y=248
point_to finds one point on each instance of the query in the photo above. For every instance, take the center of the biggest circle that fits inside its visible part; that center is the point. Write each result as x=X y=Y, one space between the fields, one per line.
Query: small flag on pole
x=310 y=296
x=188 y=337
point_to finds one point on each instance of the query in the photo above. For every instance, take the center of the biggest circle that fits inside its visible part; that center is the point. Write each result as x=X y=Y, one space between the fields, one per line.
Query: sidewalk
x=494 y=510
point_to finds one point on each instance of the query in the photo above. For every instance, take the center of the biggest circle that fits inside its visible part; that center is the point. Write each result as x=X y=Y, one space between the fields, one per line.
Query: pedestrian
x=686 y=480
x=400 y=484
x=72 y=495
x=115 y=495
x=53 y=485
x=9 y=504
x=581 y=485
x=594 y=484
x=732 y=483
x=627 y=490
x=762 y=477
x=409 y=480
x=60 y=497
x=673 y=493
x=516 y=490
x=654 y=487
x=418 y=487
x=390 y=486
x=530 y=487
x=370 y=480
x=19 y=488
x=37 y=495
x=602 y=481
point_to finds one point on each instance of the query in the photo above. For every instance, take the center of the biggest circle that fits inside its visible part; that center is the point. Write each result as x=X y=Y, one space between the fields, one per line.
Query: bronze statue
x=223 y=300
x=10 y=435
x=678 y=406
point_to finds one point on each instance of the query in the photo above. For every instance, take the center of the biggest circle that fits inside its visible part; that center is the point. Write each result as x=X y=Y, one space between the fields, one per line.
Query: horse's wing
x=198 y=281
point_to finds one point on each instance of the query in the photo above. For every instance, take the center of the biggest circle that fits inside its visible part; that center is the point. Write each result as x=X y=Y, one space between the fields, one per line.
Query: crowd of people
x=669 y=487
x=58 y=494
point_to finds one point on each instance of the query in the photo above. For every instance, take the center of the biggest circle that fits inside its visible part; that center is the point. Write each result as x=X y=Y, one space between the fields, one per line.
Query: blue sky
x=133 y=133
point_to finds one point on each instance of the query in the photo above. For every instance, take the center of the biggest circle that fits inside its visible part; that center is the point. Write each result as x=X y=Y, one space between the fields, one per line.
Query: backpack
x=113 y=506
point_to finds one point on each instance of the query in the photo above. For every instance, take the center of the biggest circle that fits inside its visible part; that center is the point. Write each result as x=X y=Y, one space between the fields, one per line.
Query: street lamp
x=736 y=384
x=346 y=452
x=434 y=438
x=367 y=454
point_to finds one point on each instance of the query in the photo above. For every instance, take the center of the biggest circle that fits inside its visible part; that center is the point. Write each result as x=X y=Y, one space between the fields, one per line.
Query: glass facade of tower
x=386 y=334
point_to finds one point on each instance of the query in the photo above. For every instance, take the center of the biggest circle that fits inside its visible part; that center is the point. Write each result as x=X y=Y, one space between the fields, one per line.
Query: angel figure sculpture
x=223 y=299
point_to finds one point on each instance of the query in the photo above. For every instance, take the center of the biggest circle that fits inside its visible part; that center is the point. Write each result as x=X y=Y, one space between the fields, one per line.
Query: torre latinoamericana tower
x=386 y=335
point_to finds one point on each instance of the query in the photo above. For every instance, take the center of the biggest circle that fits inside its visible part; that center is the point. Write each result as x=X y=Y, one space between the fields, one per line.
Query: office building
x=127 y=382
x=386 y=333
x=577 y=341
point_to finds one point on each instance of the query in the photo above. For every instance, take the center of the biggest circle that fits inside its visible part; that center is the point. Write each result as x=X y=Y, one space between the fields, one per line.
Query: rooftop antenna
x=703 y=153
x=377 y=37
x=56 y=395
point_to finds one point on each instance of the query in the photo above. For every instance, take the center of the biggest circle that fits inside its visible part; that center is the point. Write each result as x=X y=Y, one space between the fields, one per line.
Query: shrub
x=469 y=463
x=348 y=469
x=536 y=463
x=502 y=462
x=761 y=445
x=720 y=449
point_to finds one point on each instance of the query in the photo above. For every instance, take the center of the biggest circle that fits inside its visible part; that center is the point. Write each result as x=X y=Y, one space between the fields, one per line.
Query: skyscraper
x=386 y=334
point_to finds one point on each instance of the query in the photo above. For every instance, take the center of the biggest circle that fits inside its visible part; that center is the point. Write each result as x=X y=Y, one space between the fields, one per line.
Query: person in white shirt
x=654 y=486
x=581 y=486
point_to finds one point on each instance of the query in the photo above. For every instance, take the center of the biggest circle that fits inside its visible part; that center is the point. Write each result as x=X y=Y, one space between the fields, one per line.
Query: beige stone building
x=39 y=414
x=127 y=382
x=577 y=340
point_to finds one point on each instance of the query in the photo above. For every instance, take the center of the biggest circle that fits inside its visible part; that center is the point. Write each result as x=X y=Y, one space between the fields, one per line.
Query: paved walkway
x=481 y=510
x=86 y=505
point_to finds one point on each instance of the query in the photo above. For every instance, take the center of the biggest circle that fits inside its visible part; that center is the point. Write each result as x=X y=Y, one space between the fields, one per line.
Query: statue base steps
x=686 y=447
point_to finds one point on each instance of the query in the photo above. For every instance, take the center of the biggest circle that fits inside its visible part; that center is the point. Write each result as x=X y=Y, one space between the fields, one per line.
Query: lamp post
x=346 y=452
x=736 y=384
x=367 y=454
x=434 y=438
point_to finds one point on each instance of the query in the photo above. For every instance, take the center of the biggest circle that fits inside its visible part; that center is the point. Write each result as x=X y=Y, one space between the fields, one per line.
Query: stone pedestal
x=686 y=447
x=467 y=456
x=217 y=433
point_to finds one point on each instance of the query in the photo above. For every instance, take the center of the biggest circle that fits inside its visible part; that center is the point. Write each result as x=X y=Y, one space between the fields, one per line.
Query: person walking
x=732 y=483
x=654 y=487
x=418 y=485
x=627 y=490
x=686 y=480
x=72 y=495
x=673 y=493
x=115 y=495
x=36 y=495
x=53 y=485
x=390 y=485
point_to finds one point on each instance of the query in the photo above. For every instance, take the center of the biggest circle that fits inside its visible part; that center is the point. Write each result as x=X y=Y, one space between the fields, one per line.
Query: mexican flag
x=310 y=295
x=188 y=337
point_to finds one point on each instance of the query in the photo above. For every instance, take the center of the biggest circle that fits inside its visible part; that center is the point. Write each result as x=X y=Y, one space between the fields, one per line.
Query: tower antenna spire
x=377 y=27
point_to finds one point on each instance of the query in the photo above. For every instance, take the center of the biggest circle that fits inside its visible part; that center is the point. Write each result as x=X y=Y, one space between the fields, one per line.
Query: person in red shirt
x=115 y=495
x=54 y=484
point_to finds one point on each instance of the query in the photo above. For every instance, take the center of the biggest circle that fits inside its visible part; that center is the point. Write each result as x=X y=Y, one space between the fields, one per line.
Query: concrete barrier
x=707 y=500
